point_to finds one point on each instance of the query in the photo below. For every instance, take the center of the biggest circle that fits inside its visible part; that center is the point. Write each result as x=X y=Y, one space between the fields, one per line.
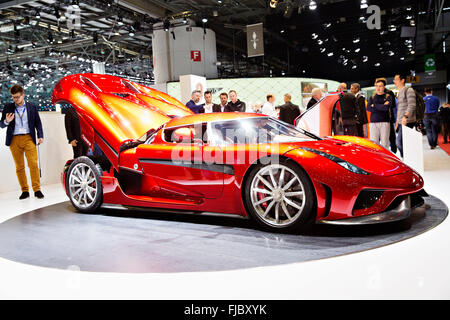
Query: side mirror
x=183 y=135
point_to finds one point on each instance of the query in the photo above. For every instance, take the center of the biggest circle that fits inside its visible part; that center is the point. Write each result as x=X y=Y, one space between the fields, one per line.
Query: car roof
x=210 y=117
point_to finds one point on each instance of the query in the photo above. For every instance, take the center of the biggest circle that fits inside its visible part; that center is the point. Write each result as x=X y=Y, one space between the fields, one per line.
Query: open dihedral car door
x=111 y=111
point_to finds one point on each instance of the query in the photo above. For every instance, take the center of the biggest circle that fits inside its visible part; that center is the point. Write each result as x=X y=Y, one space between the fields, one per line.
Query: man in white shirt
x=268 y=108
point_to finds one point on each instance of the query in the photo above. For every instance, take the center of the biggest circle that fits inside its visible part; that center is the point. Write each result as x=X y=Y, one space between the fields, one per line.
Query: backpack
x=420 y=104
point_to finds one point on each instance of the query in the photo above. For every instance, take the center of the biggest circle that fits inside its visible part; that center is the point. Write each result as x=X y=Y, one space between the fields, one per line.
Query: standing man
x=23 y=122
x=235 y=105
x=431 y=119
x=223 y=103
x=347 y=102
x=379 y=106
x=289 y=111
x=268 y=108
x=194 y=104
x=406 y=108
x=209 y=105
x=73 y=132
x=316 y=96
x=361 y=114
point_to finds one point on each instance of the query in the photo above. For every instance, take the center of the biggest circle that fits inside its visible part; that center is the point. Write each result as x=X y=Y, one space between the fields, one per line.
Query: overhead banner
x=255 y=41
x=430 y=62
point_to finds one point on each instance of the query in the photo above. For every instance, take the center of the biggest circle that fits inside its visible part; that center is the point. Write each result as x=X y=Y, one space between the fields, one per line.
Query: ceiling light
x=330 y=54
x=312 y=5
x=402 y=58
x=365 y=59
x=314 y=36
x=204 y=20
x=357 y=50
x=322 y=50
x=364 y=4
x=377 y=64
x=273 y=3
x=319 y=42
x=356 y=40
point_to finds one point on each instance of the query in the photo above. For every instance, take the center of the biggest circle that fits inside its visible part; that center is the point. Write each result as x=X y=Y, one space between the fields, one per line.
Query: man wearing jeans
x=23 y=122
x=431 y=119
x=406 y=108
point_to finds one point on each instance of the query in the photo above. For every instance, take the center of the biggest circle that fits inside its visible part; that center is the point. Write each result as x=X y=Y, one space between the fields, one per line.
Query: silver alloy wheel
x=82 y=185
x=277 y=195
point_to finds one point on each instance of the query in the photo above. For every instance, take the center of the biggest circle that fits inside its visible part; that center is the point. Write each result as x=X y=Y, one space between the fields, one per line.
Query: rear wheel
x=280 y=197
x=84 y=185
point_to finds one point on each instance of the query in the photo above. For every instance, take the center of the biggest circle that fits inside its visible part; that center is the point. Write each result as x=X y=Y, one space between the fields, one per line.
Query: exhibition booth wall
x=53 y=154
x=255 y=90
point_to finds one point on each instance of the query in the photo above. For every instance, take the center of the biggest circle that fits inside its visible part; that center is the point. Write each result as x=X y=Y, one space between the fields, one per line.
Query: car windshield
x=256 y=130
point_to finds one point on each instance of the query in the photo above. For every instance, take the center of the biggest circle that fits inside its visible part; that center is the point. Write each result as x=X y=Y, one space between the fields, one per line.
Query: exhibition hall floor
x=413 y=267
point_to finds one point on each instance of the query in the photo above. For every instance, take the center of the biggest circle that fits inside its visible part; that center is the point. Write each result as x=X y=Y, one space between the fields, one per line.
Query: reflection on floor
x=412 y=269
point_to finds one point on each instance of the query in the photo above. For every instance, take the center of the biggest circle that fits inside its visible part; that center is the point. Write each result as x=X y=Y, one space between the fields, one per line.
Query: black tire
x=84 y=185
x=294 y=205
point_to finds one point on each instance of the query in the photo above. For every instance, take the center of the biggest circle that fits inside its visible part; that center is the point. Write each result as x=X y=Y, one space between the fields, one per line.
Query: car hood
x=364 y=157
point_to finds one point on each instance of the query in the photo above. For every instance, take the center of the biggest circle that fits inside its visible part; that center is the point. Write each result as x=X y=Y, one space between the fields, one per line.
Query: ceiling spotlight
x=322 y=50
x=204 y=20
x=365 y=59
x=412 y=23
x=314 y=36
x=357 y=50
x=413 y=52
x=377 y=64
x=354 y=67
x=330 y=54
x=390 y=53
x=273 y=4
x=356 y=40
x=402 y=58
x=312 y=5
x=364 y=4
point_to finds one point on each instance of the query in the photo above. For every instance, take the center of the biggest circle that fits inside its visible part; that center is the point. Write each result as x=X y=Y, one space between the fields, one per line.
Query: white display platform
x=413 y=149
x=54 y=153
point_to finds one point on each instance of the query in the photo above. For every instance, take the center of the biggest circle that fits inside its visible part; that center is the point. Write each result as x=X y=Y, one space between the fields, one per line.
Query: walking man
x=23 y=122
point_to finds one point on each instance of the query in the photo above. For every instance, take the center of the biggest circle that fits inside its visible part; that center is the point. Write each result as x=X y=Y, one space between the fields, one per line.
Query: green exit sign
x=430 y=62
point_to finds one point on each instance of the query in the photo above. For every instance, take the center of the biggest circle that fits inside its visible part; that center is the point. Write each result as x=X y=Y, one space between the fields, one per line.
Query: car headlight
x=345 y=164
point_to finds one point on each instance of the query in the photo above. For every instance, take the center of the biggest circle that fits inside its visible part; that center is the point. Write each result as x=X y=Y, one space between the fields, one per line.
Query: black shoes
x=24 y=195
x=38 y=194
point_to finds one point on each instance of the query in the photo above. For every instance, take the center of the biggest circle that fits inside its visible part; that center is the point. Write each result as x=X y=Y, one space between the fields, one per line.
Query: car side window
x=186 y=134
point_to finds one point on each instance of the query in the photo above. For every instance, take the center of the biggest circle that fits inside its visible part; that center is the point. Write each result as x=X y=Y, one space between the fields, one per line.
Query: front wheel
x=280 y=197
x=84 y=185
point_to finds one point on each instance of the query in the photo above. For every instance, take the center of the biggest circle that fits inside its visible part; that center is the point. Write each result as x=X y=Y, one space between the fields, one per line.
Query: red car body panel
x=152 y=176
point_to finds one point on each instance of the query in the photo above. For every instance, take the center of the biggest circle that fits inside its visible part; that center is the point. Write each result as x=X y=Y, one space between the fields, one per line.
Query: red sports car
x=156 y=154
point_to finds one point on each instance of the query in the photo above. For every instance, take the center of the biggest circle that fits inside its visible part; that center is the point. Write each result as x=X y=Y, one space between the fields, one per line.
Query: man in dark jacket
x=379 y=106
x=73 y=132
x=361 y=114
x=235 y=105
x=347 y=102
x=289 y=111
x=194 y=104
x=23 y=122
